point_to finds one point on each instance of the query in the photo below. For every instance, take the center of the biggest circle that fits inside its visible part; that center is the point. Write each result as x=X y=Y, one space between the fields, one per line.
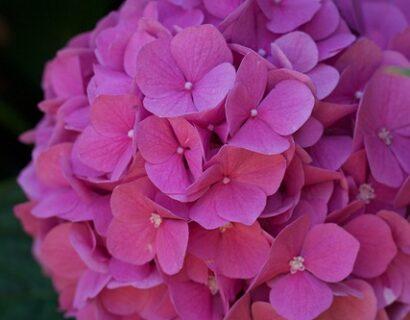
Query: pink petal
x=234 y=201
x=262 y=171
x=288 y=14
x=213 y=87
x=100 y=152
x=383 y=164
x=255 y=135
x=400 y=228
x=330 y=252
x=264 y=311
x=197 y=50
x=325 y=79
x=242 y=251
x=300 y=49
x=287 y=106
x=131 y=242
x=377 y=247
x=300 y=296
x=156 y=140
x=221 y=9
x=114 y=115
x=171 y=244
x=309 y=133
x=324 y=22
x=331 y=46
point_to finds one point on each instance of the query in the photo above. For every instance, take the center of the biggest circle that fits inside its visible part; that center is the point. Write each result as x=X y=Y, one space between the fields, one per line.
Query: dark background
x=31 y=32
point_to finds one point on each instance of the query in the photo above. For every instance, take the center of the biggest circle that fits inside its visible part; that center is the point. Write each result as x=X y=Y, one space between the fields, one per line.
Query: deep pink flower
x=112 y=125
x=189 y=73
x=143 y=229
x=264 y=124
x=302 y=262
x=235 y=186
x=175 y=160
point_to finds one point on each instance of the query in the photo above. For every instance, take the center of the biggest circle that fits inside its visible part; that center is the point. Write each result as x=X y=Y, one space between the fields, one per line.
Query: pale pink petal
x=299 y=296
x=377 y=247
x=330 y=252
x=325 y=79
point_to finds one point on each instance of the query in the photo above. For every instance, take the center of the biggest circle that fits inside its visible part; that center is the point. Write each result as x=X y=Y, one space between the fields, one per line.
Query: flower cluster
x=239 y=159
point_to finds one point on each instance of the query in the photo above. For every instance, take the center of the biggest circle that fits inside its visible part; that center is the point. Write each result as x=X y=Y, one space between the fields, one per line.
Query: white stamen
x=366 y=193
x=212 y=285
x=211 y=127
x=155 y=219
x=226 y=180
x=262 y=52
x=130 y=134
x=296 y=264
x=225 y=227
x=188 y=85
x=386 y=136
x=180 y=150
x=254 y=113
x=358 y=94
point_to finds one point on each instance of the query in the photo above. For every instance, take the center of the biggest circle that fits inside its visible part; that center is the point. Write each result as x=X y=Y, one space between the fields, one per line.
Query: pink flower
x=264 y=124
x=175 y=161
x=235 y=186
x=143 y=229
x=189 y=73
x=302 y=262
x=112 y=124
x=383 y=121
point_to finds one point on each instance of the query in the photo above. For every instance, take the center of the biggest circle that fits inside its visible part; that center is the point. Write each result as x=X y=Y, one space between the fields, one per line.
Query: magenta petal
x=131 y=242
x=377 y=247
x=300 y=49
x=299 y=296
x=330 y=252
x=255 y=135
x=171 y=244
x=158 y=130
x=325 y=79
x=331 y=152
x=383 y=164
x=242 y=251
x=210 y=91
x=197 y=50
x=235 y=201
x=287 y=106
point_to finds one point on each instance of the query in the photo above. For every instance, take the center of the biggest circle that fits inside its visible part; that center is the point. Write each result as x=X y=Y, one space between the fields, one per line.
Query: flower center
x=358 y=94
x=253 y=113
x=277 y=1
x=226 y=180
x=212 y=285
x=188 y=85
x=130 y=134
x=296 y=264
x=211 y=127
x=155 y=219
x=386 y=136
x=225 y=227
x=366 y=193
x=262 y=52
x=180 y=150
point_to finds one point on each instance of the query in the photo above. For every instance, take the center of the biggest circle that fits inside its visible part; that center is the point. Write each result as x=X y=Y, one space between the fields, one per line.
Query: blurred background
x=31 y=32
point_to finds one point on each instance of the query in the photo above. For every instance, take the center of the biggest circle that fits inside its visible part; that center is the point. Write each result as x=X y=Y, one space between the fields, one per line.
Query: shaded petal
x=299 y=296
x=325 y=79
x=377 y=247
x=330 y=252
x=197 y=50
